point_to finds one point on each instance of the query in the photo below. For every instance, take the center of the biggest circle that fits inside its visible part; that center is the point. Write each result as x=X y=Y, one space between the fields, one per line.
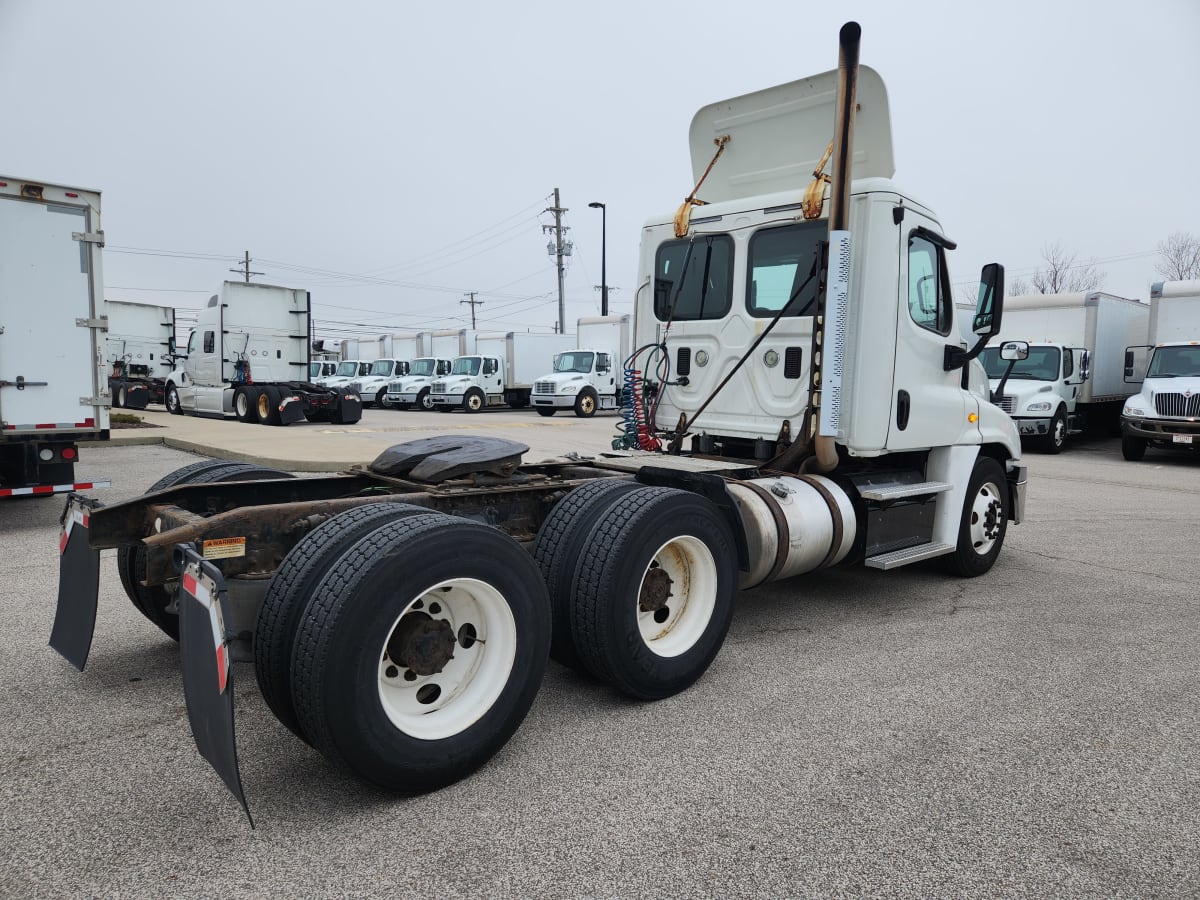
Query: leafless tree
x=1179 y=257
x=1017 y=287
x=1062 y=274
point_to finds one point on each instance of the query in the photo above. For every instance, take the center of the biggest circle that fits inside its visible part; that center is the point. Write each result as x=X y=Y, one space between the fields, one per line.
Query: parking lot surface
x=1033 y=732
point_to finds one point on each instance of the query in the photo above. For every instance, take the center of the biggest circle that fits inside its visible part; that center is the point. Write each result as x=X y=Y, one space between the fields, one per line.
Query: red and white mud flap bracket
x=78 y=583
x=204 y=655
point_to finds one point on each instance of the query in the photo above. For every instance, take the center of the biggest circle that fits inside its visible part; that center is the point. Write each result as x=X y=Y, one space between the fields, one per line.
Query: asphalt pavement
x=1033 y=732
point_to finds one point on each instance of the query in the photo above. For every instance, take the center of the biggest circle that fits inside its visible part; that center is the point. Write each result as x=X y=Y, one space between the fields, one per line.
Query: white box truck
x=137 y=351
x=405 y=628
x=1166 y=412
x=501 y=371
x=439 y=349
x=590 y=376
x=248 y=357
x=1073 y=377
x=53 y=389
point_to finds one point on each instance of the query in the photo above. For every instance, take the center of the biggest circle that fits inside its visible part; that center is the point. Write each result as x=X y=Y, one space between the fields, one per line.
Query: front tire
x=423 y=401
x=413 y=676
x=245 y=402
x=585 y=404
x=122 y=398
x=171 y=401
x=474 y=401
x=1057 y=435
x=1133 y=448
x=653 y=594
x=546 y=411
x=984 y=521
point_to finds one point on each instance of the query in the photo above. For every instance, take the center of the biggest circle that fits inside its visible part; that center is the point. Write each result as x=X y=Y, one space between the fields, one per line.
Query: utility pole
x=558 y=249
x=473 y=303
x=244 y=269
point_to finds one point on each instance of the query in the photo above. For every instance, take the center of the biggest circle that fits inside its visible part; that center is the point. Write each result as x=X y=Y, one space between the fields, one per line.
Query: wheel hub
x=422 y=643
x=656 y=590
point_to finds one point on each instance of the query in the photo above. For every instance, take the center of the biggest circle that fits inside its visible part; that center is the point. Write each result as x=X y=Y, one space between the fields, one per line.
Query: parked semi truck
x=1074 y=375
x=501 y=371
x=248 y=357
x=399 y=616
x=1166 y=411
x=53 y=390
x=589 y=377
x=439 y=349
x=137 y=350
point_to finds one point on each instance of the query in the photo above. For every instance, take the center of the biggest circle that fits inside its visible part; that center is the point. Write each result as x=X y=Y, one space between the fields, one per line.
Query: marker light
x=973 y=418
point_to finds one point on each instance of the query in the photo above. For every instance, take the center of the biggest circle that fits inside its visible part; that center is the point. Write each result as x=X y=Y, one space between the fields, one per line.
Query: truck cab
x=412 y=389
x=372 y=386
x=1041 y=391
x=473 y=383
x=320 y=370
x=1166 y=413
x=348 y=370
x=583 y=380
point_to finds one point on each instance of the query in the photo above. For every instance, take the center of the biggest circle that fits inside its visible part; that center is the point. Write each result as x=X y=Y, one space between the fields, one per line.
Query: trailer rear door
x=47 y=361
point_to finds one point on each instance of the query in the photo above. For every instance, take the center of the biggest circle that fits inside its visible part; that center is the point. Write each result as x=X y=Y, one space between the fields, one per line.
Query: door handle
x=20 y=384
x=903 y=405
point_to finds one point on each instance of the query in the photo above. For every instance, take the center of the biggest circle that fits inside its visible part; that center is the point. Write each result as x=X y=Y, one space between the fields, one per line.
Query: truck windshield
x=382 y=367
x=422 y=367
x=347 y=369
x=1175 y=362
x=314 y=369
x=574 y=362
x=466 y=365
x=1042 y=364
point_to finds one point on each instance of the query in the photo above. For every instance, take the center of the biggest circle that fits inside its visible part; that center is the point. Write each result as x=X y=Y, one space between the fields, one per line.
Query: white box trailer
x=1075 y=372
x=53 y=387
x=137 y=351
x=1166 y=411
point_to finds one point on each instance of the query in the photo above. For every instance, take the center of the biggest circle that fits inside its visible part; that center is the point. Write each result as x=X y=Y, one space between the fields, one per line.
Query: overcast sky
x=393 y=156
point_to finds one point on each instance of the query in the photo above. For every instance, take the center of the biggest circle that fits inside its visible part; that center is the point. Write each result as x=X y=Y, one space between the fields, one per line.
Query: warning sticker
x=223 y=548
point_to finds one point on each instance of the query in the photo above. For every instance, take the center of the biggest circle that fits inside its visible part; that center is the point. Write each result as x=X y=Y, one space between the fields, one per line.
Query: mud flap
x=204 y=655
x=136 y=395
x=78 y=584
x=291 y=409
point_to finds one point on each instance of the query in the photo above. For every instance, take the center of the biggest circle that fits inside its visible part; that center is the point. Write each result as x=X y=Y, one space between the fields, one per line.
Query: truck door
x=929 y=406
x=46 y=360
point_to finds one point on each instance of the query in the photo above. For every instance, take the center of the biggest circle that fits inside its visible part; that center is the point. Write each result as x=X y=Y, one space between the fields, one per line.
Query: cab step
x=899 y=490
x=898 y=558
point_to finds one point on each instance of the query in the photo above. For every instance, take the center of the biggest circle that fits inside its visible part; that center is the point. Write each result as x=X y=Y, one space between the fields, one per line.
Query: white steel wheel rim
x=473 y=401
x=447 y=702
x=243 y=404
x=985 y=518
x=426 y=401
x=675 y=628
x=1060 y=431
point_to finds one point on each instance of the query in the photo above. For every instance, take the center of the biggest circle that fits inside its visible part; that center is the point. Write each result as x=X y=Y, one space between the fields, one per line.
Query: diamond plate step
x=898 y=558
x=898 y=491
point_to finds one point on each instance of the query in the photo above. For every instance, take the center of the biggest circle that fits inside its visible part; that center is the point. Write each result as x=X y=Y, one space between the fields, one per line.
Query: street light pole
x=603 y=256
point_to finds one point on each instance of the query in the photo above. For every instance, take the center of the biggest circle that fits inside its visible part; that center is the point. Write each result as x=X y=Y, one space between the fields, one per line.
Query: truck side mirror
x=988 y=309
x=1014 y=351
x=1085 y=365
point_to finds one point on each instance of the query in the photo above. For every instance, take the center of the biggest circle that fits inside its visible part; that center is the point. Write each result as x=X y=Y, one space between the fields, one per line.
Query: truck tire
x=546 y=411
x=245 y=404
x=653 y=596
x=171 y=401
x=267 y=406
x=290 y=589
x=381 y=399
x=1133 y=448
x=557 y=548
x=984 y=520
x=118 y=396
x=443 y=407
x=423 y=401
x=1054 y=439
x=585 y=403
x=413 y=676
x=474 y=400
x=154 y=602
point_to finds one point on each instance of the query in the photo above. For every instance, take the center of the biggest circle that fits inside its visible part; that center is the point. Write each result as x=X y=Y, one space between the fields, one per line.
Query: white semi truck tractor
x=800 y=397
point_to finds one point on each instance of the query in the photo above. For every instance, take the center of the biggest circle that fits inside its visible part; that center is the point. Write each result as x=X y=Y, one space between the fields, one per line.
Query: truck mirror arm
x=999 y=391
x=957 y=357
